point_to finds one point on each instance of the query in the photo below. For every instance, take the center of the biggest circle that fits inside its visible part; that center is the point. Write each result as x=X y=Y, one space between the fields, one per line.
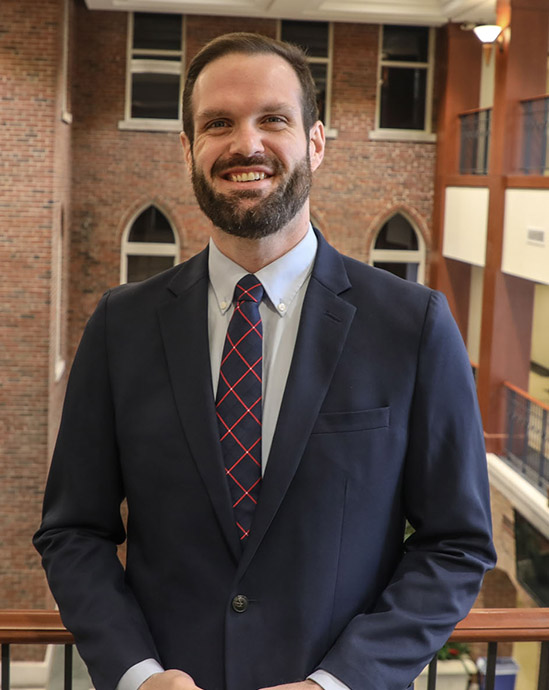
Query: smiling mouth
x=252 y=176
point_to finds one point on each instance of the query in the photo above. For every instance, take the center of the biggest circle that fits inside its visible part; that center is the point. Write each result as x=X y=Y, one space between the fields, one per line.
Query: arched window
x=149 y=246
x=400 y=249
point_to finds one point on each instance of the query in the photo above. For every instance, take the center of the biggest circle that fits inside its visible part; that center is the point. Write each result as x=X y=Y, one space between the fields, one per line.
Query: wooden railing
x=527 y=442
x=535 y=135
x=474 y=149
x=481 y=625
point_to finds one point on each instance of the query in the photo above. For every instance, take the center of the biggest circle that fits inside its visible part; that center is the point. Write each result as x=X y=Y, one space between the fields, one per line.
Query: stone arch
x=406 y=260
x=143 y=255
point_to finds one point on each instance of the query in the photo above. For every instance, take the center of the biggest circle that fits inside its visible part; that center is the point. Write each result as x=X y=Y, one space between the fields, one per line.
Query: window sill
x=59 y=370
x=150 y=125
x=410 y=135
x=331 y=133
x=66 y=117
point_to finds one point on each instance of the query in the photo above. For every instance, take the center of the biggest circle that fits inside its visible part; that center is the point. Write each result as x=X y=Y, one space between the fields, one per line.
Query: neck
x=255 y=254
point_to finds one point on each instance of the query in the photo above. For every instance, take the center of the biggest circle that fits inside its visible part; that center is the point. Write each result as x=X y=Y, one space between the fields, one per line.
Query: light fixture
x=487 y=33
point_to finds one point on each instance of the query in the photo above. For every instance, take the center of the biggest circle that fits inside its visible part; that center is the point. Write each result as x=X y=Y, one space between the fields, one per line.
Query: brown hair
x=251 y=44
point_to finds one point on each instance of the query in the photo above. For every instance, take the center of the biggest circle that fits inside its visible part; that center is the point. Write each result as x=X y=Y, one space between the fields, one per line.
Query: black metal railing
x=535 y=136
x=481 y=625
x=475 y=141
x=527 y=436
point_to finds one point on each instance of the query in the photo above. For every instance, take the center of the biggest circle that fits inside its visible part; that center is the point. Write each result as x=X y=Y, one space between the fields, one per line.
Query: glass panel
x=532 y=559
x=155 y=96
x=151 y=226
x=397 y=233
x=164 y=58
x=156 y=31
x=141 y=267
x=320 y=75
x=407 y=271
x=311 y=36
x=403 y=98
x=406 y=43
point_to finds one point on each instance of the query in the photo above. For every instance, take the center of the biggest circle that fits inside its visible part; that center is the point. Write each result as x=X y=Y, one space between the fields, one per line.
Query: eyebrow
x=212 y=114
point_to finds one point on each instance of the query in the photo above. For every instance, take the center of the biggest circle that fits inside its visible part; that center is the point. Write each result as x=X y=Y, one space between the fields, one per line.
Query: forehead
x=239 y=79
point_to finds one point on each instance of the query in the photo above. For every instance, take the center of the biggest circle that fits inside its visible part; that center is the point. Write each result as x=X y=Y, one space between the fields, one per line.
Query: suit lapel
x=184 y=327
x=325 y=322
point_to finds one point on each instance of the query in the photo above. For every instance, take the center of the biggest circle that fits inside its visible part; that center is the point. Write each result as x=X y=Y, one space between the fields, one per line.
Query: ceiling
x=421 y=12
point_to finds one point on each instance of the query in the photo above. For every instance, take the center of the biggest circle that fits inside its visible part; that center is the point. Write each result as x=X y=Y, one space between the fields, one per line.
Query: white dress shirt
x=285 y=284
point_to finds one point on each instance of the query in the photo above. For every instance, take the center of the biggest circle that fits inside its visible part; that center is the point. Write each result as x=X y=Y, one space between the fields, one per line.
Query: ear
x=317 y=143
x=187 y=151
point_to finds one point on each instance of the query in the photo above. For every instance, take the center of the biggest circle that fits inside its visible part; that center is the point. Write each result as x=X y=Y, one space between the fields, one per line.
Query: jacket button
x=240 y=603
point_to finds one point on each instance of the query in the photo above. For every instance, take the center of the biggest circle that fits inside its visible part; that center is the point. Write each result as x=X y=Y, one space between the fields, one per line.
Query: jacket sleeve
x=446 y=500
x=82 y=525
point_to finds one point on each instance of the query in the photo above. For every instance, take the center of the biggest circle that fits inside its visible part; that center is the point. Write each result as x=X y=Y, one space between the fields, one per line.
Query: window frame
x=58 y=261
x=154 y=65
x=128 y=248
x=401 y=256
x=66 y=63
x=392 y=134
x=330 y=132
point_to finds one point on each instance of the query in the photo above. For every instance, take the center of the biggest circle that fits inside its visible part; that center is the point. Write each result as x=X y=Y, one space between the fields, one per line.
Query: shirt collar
x=281 y=279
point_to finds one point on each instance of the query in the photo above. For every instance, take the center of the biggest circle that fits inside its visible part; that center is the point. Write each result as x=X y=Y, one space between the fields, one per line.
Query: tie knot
x=248 y=289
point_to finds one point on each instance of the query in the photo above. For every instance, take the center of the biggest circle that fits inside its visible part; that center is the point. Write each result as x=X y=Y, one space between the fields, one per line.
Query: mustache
x=237 y=160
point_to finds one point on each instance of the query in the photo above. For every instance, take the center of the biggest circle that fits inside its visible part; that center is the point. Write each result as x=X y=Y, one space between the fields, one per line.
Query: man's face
x=251 y=160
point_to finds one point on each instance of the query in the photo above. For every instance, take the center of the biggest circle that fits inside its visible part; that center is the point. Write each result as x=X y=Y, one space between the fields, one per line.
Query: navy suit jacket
x=379 y=422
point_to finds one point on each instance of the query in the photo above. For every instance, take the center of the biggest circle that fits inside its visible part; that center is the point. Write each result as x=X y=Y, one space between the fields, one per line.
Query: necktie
x=238 y=402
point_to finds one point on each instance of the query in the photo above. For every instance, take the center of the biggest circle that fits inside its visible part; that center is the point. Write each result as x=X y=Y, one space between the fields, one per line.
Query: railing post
x=68 y=667
x=544 y=136
x=5 y=667
x=487 y=134
x=490 y=679
x=510 y=421
x=526 y=431
x=527 y=135
x=542 y=448
x=432 y=674
x=462 y=145
x=543 y=677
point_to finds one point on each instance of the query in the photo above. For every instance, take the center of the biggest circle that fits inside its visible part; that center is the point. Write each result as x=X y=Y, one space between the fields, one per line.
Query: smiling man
x=273 y=412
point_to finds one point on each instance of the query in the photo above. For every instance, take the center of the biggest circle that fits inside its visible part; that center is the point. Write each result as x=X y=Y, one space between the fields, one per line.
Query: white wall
x=466 y=224
x=526 y=209
x=540 y=326
x=475 y=313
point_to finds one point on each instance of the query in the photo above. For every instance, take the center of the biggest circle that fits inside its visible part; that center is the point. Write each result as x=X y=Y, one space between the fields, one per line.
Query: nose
x=246 y=140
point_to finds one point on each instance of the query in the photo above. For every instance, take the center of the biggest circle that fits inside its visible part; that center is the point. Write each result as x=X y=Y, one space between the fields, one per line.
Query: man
x=293 y=573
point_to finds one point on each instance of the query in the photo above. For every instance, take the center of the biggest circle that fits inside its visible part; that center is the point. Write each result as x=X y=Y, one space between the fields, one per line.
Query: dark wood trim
x=504 y=625
x=527 y=182
x=497 y=625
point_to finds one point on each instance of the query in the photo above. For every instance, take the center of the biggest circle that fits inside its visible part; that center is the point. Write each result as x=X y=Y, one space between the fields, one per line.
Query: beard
x=270 y=213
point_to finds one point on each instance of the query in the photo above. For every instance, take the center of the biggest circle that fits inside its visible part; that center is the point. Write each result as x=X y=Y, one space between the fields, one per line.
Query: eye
x=275 y=121
x=217 y=124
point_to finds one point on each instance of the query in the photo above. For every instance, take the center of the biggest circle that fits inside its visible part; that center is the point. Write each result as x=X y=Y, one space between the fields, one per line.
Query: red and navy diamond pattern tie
x=238 y=401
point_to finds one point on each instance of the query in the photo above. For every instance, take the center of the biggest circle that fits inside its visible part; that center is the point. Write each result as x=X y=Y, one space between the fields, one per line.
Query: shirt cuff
x=327 y=681
x=138 y=674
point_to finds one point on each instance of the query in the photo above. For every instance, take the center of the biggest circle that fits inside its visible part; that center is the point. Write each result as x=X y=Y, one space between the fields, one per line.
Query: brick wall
x=33 y=185
x=97 y=178
x=360 y=184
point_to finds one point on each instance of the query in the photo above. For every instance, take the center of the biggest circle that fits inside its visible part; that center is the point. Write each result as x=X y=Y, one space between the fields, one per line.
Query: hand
x=169 y=680
x=302 y=685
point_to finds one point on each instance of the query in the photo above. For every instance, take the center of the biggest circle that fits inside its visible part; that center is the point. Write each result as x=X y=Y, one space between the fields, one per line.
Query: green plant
x=453 y=650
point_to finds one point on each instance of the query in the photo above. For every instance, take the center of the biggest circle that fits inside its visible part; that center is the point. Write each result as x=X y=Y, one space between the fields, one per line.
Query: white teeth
x=248 y=177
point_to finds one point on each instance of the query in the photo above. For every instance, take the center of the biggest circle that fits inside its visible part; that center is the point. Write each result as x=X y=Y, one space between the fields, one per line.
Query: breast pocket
x=357 y=420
